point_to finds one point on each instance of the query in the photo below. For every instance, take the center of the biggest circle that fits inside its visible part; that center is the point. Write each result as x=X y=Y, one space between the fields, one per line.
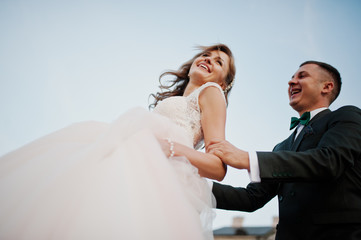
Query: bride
x=139 y=177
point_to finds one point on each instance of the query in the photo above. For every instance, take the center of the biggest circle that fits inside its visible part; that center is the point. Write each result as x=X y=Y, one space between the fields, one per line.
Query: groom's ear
x=327 y=87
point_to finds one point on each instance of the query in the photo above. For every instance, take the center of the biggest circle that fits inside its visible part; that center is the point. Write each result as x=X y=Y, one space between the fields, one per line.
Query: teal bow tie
x=304 y=119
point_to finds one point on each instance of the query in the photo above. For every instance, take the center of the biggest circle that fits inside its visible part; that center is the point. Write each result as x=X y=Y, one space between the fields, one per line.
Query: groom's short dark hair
x=336 y=76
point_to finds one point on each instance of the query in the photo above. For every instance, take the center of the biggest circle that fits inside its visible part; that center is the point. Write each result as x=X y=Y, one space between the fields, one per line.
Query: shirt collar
x=316 y=111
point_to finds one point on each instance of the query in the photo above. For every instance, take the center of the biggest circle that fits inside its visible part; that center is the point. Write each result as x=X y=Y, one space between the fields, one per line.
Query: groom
x=315 y=172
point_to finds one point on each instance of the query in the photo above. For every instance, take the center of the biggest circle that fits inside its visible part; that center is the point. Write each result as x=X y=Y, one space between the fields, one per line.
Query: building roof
x=233 y=231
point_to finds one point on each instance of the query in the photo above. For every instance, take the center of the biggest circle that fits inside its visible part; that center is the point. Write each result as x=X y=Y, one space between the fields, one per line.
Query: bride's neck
x=190 y=88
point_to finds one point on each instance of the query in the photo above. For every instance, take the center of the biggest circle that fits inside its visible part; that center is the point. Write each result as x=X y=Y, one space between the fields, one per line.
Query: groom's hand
x=229 y=154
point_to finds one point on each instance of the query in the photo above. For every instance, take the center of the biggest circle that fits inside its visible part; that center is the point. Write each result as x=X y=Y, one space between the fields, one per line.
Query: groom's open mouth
x=294 y=92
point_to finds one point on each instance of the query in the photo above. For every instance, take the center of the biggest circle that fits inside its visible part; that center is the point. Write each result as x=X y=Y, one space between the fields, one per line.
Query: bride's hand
x=166 y=146
x=230 y=154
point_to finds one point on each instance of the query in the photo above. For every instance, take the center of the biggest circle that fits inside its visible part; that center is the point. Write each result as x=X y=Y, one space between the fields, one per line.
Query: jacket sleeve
x=338 y=149
x=249 y=199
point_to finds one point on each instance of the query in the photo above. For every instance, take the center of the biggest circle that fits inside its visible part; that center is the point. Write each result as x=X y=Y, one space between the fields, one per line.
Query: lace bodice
x=185 y=112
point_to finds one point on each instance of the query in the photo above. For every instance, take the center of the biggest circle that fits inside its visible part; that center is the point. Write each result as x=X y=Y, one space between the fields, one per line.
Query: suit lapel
x=290 y=140
x=298 y=140
x=307 y=130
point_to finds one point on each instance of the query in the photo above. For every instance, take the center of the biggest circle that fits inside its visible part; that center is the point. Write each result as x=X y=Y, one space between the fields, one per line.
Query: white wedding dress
x=96 y=180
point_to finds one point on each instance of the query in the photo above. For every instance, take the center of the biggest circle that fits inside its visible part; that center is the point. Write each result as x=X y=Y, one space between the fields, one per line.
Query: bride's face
x=211 y=66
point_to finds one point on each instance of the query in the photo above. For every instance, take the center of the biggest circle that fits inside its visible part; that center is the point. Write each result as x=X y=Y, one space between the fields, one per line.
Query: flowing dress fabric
x=95 y=180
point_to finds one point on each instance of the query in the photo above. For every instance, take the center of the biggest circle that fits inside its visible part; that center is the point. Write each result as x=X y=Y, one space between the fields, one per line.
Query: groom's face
x=305 y=88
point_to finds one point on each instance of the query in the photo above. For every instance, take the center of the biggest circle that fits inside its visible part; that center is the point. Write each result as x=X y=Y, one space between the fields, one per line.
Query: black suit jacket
x=317 y=179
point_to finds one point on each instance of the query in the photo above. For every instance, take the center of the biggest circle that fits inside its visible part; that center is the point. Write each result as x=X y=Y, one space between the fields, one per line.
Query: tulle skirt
x=95 y=180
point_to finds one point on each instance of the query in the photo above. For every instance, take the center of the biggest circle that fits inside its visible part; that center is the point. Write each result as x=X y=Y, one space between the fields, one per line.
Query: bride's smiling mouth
x=204 y=66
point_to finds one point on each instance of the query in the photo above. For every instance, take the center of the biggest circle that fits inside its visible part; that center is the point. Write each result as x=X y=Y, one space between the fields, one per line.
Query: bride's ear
x=222 y=84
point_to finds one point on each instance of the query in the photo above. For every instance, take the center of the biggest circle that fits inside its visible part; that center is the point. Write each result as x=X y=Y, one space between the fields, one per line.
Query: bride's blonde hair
x=177 y=86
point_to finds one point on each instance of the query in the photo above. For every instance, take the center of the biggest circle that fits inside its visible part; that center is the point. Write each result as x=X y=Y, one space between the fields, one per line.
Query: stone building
x=239 y=232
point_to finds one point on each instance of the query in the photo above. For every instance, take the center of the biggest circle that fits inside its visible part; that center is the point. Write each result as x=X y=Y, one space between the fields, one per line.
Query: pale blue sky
x=67 y=61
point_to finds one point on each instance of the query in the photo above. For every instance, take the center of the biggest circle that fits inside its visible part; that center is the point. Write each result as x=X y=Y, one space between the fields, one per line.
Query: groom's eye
x=301 y=75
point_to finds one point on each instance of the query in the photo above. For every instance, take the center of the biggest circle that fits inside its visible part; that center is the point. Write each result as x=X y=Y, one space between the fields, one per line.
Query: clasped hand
x=164 y=144
x=229 y=154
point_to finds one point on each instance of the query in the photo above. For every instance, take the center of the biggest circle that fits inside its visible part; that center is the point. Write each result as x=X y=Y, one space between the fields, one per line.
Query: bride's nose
x=207 y=60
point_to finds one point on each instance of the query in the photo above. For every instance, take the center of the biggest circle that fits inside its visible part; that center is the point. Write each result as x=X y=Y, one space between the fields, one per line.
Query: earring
x=228 y=87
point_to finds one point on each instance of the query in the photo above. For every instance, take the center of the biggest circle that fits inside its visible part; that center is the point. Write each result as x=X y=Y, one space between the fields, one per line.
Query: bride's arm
x=213 y=120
